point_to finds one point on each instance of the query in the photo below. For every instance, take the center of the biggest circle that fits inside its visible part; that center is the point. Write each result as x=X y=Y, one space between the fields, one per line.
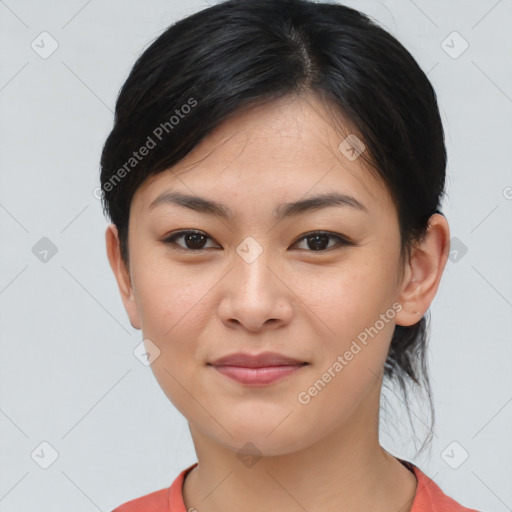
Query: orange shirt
x=429 y=497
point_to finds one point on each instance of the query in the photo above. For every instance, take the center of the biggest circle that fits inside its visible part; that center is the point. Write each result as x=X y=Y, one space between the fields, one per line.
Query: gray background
x=68 y=374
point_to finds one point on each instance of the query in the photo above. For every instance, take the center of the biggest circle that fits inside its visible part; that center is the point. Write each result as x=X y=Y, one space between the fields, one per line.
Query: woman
x=274 y=179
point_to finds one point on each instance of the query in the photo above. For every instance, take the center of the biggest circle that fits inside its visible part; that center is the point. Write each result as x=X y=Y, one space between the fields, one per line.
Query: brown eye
x=318 y=241
x=193 y=240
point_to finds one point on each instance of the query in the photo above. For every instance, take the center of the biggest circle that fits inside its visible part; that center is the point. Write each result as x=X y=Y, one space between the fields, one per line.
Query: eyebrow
x=283 y=210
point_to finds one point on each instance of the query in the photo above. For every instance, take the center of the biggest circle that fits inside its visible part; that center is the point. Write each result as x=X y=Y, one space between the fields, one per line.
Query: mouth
x=258 y=369
x=258 y=376
x=261 y=360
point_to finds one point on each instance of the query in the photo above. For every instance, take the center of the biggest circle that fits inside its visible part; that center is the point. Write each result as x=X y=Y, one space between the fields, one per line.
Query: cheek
x=354 y=306
x=171 y=300
x=351 y=297
x=358 y=322
x=172 y=309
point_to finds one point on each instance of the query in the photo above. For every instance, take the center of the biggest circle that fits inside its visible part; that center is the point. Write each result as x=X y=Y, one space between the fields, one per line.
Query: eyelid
x=169 y=239
x=342 y=240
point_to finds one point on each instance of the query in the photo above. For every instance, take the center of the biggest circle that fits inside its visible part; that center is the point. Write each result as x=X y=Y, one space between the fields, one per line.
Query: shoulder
x=430 y=497
x=154 y=502
x=169 y=499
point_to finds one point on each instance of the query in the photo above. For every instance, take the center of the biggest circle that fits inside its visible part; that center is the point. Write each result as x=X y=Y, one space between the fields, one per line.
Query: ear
x=423 y=271
x=122 y=275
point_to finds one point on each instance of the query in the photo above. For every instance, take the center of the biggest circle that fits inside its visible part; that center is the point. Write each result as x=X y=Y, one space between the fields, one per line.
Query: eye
x=192 y=238
x=317 y=239
x=195 y=240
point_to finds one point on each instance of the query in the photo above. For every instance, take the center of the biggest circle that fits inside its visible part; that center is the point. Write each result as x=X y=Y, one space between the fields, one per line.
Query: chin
x=263 y=439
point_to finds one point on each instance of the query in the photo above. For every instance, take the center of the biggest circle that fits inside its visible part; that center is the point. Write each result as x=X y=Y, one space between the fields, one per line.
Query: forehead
x=283 y=150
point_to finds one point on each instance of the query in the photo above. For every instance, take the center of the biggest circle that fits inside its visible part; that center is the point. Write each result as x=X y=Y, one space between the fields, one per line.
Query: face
x=319 y=285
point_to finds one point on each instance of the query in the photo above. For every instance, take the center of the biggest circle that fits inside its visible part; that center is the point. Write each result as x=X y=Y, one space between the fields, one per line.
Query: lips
x=262 y=360
x=257 y=370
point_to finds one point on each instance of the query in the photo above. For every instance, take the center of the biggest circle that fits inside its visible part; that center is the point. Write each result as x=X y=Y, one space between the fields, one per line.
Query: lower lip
x=263 y=375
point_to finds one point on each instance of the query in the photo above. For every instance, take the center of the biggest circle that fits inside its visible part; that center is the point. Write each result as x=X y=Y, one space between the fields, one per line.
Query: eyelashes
x=197 y=238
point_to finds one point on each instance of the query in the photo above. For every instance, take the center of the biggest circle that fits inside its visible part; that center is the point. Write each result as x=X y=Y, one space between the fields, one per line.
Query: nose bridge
x=252 y=262
x=253 y=296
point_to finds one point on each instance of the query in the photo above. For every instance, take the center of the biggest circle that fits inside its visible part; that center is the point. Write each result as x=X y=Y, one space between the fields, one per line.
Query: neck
x=346 y=470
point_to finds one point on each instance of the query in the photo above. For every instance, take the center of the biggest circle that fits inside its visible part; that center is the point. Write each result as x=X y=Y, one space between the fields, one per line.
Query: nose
x=255 y=295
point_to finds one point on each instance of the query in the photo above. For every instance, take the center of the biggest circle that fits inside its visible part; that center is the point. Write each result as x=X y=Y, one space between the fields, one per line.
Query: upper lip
x=257 y=360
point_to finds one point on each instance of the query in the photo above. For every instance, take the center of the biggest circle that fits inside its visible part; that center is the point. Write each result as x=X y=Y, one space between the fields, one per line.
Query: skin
x=292 y=299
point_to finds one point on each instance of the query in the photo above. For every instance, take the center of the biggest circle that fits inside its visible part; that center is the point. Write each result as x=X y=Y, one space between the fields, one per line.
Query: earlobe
x=424 y=271
x=122 y=275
